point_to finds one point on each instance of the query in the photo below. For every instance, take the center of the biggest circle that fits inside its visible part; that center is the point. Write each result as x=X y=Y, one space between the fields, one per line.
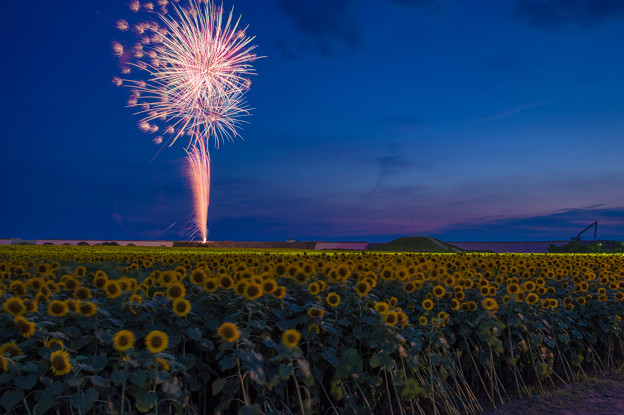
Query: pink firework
x=189 y=77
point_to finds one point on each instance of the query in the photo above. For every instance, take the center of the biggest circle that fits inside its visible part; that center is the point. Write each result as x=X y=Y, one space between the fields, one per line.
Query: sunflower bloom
x=198 y=276
x=228 y=332
x=87 y=309
x=82 y=293
x=25 y=327
x=333 y=299
x=167 y=278
x=211 y=284
x=156 y=341
x=531 y=298
x=181 y=307
x=314 y=288
x=316 y=312
x=57 y=308
x=54 y=343
x=489 y=304
x=176 y=290
x=59 y=362
x=439 y=291
x=11 y=349
x=382 y=307
x=123 y=340
x=291 y=338
x=163 y=365
x=253 y=291
x=391 y=318
x=427 y=304
x=226 y=282
x=14 y=306
x=280 y=292
x=362 y=288
x=269 y=286
x=112 y=289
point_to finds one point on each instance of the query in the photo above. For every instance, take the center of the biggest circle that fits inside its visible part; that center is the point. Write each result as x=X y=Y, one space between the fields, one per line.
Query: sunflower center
x=157 y=341
x=58 y=362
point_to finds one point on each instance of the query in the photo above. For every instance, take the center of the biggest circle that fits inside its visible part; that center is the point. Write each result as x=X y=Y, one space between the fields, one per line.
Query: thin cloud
x=515 y=110
x=553 y=14
x=324 y=23
x=434 y=5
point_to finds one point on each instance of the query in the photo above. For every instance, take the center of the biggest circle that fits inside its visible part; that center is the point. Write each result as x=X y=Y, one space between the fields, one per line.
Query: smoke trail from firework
x=199 y=175
x=187 y=76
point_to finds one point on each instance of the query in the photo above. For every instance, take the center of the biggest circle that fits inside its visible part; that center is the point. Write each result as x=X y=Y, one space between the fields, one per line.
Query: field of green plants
x=129 y=330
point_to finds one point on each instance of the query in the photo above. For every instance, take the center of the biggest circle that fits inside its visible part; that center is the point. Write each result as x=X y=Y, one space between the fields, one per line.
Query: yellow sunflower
x=198 y=276
x=489 y=304
x=14 y=306
x=99 y=281
x=112 y=289
x=362 y=288
x=59 y=362
x=253 y=291
x=81 y=271
x=17 y=288
x=57 y=308
x=427 y=304
x=531 y=298
x=52 y=343
x=439 y=291
x=269 y=286
x=382 y=307
x=290 y=338
x=123 y=340
x=280 y=292
x=156 y=341
x=228 y=332
x=226 y=282
x=314 y=288
x=316 y=312
x=333 y=299
x=87 y=309
x=181 y=307
x=176 y=290
x=25 y=327
x=168 y=277
x=163 y=365
x=211 y=284
x=11 y=349
x=391 y=318
x=409 y=287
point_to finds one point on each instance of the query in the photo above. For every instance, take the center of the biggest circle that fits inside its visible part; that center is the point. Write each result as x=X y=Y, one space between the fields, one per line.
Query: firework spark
x=191 y=76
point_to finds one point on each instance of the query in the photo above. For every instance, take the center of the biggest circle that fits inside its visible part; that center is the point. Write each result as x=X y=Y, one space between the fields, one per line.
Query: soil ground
x=602 y=395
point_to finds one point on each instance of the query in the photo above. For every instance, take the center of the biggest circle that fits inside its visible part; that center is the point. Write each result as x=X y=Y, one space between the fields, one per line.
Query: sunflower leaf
x=10 y=398
x=26 y=382
x=44 y=405
x=84 y=401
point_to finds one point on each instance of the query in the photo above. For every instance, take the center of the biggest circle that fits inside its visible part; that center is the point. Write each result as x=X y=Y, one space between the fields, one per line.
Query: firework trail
x=187 y=74
x=199 y=175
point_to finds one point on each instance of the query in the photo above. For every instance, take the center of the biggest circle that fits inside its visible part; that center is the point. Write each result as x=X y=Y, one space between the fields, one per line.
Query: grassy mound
x=416 y=244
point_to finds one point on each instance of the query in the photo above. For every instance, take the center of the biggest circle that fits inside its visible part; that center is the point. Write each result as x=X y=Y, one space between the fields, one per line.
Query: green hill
x=416 y=244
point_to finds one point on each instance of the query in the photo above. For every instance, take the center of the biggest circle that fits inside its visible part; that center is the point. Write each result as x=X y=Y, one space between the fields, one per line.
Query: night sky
x=465 y=120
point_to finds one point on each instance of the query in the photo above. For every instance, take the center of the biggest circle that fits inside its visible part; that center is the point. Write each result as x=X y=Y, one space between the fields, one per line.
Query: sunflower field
x=130 y=330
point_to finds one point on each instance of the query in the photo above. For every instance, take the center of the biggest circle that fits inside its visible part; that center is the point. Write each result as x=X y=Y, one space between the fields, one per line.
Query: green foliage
x=350 y=360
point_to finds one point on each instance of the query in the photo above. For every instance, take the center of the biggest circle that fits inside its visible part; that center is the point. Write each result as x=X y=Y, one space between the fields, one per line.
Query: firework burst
x=187 y=72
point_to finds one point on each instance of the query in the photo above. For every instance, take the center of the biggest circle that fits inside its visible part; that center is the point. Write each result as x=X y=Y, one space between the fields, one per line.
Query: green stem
x=299 y=394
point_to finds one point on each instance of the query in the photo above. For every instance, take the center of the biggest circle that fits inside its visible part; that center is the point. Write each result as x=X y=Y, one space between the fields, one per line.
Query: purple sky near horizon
x=463 y=120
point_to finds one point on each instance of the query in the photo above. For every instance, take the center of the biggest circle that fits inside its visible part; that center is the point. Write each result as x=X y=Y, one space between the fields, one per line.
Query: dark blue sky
x=464 y=120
